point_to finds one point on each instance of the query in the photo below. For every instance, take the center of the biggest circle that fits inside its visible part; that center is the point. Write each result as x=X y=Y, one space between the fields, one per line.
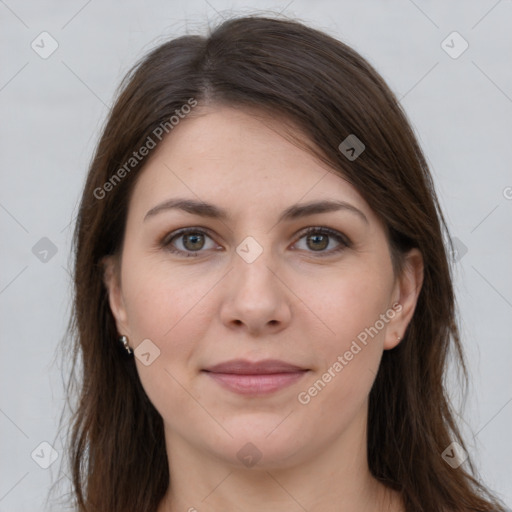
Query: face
x=312 y=289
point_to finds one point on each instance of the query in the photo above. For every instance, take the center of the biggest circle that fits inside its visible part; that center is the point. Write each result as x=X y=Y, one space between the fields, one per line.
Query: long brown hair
x=329 y=92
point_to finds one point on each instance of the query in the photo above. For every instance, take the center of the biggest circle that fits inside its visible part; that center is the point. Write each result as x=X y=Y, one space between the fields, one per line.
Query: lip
x=245 y=367
x=255 y=378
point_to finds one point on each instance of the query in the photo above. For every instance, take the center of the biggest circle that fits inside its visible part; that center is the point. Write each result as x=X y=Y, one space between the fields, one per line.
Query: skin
x=290 y=303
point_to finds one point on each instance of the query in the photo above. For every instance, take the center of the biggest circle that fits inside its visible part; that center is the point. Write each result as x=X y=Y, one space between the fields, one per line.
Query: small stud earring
x=124 y=340
x=398 y=338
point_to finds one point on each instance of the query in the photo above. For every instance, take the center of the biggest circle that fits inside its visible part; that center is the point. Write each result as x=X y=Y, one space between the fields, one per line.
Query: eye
x=192 y=240
x=319 y=238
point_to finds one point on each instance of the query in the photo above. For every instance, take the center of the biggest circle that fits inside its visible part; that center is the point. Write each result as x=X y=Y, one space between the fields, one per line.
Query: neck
x=332 y=480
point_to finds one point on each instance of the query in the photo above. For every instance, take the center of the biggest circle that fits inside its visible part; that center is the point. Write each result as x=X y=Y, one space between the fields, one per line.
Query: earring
x=398 y=338
x=124 y=340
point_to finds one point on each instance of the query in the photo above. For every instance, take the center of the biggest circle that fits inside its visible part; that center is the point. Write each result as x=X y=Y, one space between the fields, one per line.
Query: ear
x=405 y=293
x=112 y=281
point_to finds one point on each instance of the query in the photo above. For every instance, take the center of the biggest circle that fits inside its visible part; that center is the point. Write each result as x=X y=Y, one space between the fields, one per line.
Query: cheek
x=348 y=302
x=350 y=306
x=166 y=309
x=159 y=300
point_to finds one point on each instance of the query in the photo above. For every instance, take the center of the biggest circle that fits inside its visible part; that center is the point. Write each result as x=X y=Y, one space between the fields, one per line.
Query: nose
x=255 y=298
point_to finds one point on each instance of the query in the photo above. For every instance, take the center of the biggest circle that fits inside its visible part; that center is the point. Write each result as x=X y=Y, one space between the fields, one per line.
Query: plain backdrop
x=53 y=106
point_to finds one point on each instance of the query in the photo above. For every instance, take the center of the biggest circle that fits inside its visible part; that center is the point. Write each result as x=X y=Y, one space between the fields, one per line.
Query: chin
x=263 y=444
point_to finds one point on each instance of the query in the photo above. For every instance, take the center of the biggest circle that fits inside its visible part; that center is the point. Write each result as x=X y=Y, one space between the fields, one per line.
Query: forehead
x=238 y=158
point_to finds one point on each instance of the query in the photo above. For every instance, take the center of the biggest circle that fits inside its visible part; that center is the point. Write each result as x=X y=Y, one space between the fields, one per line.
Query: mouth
x=255 y=378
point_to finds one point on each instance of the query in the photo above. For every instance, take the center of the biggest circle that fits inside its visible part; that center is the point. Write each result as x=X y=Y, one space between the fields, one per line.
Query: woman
x=263 y=299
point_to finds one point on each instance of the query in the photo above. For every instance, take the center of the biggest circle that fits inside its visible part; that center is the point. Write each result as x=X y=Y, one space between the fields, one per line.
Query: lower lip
x=256 y=384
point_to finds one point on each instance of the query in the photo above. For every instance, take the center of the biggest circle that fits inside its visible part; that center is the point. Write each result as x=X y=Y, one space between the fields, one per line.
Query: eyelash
x=344 y=242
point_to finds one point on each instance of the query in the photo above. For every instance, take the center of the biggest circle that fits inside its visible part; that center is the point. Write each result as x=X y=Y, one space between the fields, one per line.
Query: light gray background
x=52 y=111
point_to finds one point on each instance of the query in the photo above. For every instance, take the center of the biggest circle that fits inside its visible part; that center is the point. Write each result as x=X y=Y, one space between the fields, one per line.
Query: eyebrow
x=293 y=212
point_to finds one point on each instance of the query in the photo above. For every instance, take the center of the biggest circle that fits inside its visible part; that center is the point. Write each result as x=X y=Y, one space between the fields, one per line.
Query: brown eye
x=318 y=239
x=192 y=242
